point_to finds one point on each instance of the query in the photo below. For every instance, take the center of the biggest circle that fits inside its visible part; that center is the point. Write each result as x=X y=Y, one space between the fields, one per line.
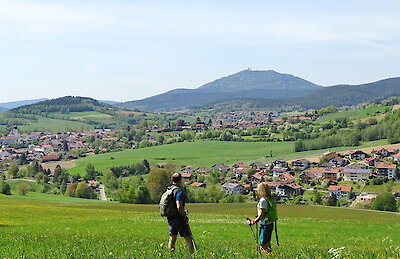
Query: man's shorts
x=180 y=226
x=266 y=233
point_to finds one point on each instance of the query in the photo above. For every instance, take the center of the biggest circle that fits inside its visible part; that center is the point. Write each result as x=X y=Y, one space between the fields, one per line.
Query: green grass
x=355 y=113
x=203 y=153
x=35 y=187
x=54 y=125
x=199 y=153
x=48 y=229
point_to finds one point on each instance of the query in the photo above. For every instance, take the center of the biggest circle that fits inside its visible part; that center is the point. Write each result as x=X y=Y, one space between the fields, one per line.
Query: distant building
x=277 y=171
x=354 y=173
x=357 y=155
x=301 y=164
x=232 y=188
x=340 y=191
x=385 y=169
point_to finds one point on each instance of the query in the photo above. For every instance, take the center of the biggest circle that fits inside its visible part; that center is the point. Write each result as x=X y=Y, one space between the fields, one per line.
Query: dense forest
x=340 y=95
x=64 y=105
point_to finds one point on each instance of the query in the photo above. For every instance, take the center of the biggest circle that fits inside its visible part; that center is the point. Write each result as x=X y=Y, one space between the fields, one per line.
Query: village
x=288 y=179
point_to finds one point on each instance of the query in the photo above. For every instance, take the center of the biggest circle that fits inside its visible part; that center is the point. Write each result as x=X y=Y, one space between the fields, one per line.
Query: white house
x=340 y=191
x=232 y=188
x=354 y=173
x=385 y=169
x=277 y=171
x=357 y=155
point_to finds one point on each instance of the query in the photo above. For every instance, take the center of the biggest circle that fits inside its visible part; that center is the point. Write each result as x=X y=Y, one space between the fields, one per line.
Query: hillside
x=339 y=95
x=64 y=105
x=73 y=227
x=66 y=113
x=12 y=105
x=245 y=84
x=2 y=109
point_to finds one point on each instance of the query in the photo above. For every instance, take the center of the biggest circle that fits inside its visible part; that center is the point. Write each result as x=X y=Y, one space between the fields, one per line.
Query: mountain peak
x=244 y=84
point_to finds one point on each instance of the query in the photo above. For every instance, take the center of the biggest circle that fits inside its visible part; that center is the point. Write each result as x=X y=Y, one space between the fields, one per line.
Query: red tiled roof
x=385 y=165
x=341 y=188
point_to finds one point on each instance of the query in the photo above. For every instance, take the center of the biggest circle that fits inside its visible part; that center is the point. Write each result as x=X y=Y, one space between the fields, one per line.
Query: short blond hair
x=263 y=191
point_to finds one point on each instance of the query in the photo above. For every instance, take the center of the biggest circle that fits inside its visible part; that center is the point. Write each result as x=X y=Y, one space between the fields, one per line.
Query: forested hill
x=339 y=95
x=64 y=105
x=245 y=84
x=2 y=109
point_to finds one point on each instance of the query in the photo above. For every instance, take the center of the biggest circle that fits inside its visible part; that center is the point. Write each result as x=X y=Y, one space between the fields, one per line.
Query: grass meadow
x=353 y=114
x=204 y=153
x=76 y=228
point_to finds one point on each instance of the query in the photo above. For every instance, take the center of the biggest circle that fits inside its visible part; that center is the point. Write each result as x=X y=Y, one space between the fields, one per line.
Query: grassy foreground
x=58 y=229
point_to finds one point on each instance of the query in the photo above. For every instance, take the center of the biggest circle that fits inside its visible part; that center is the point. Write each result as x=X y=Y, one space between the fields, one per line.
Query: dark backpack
x=167 y=203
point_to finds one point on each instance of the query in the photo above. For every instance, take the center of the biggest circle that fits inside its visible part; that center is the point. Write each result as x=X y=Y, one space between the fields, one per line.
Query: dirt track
x=63 y=164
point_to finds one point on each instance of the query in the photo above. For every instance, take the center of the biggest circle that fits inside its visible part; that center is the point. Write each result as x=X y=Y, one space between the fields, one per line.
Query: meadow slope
x=81 y=229
x=204 y=153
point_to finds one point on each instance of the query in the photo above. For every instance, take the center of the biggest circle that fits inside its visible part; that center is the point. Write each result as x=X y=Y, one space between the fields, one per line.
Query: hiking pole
x=194 y=243
x=254 y=236
x=276 y=233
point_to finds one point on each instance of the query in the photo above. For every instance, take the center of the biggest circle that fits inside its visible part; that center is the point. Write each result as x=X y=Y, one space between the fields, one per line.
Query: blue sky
x=128 y=50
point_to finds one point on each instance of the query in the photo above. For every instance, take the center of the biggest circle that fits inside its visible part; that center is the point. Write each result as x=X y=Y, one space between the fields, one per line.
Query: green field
x=369 y=111
x=80 y=229
x=54 y=125
x=203 y=153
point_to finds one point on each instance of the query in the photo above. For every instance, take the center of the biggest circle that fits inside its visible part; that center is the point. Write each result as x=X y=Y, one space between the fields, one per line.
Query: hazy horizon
x=123 y=51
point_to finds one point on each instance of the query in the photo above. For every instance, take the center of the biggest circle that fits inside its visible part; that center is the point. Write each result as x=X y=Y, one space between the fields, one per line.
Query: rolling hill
x=66 y=113
x=12 y=105
x=245 y=84
x=267 y=89
x=339 y=95
x=2 y=109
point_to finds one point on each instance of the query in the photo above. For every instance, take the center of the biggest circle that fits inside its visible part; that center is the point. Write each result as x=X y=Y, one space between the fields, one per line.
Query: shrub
x=4 y=187
x=23 y=188
x=385 y=202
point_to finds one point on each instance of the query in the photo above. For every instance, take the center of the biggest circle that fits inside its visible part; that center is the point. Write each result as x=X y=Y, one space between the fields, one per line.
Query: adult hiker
x=267 y=215
x=172 y=206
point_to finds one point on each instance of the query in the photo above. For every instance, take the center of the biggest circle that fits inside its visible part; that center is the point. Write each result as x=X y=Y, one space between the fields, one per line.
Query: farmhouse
x=277 y=171
x=385 y=169
x=318 y=172
x=232 y=188
x=221 y=167
x=330 y=154
x=278 y=163
x=340 y=191
x=307 y=177
x=258 y=166
x=331 y=174
x=49 y=158
x=357 y=155
x=289 y=189
x=337 y=161
x=370 y=161
x=203 y=169
x=382 y=152
x=287 y=178
x=301 y=164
